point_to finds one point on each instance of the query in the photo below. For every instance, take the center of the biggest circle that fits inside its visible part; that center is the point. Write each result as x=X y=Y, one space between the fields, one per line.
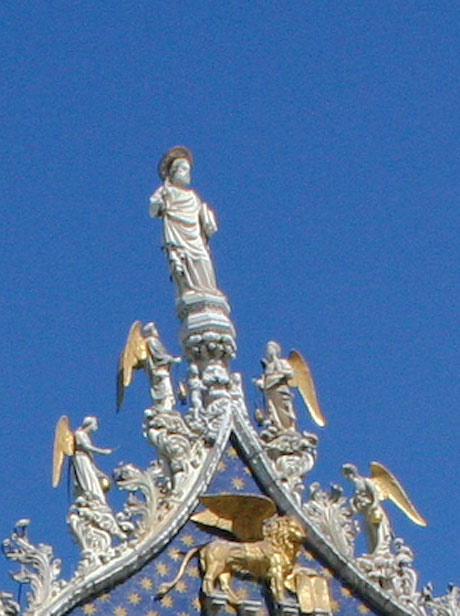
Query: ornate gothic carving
x=392 y=571
x=179 y=450
x=162 y=497
x=95 y=528
x=144 y=510
x=332 y=516
x=38 y=566
x=8 y=606
x=293 y=455
x=447 y=605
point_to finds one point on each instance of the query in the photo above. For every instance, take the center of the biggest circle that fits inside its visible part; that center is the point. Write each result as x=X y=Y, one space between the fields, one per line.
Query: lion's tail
x=166 y=586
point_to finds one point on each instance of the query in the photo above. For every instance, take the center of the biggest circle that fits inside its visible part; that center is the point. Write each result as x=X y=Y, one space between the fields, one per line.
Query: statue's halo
x=178 y=151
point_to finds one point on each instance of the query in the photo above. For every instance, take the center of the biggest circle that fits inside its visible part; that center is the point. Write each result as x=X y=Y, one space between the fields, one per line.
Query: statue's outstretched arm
x=84 y=444
x=157 y=203
x=105 y=451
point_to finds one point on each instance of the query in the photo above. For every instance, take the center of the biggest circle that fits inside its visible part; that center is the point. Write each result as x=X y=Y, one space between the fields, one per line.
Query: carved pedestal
x=285 y=609
x=206 y=331
x=249 y=608
x=213 y=604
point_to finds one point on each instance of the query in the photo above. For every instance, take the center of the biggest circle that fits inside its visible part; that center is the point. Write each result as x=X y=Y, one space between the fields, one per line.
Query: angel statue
x=369 y=493
x=279 y=376
x=144 y=349
x=264 y=546
x=87 y=478
x=188 y=223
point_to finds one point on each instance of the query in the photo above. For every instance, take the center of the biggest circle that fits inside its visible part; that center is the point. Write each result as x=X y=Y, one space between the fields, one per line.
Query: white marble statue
x=144 y=349
x=87 y=478
x=159 y=363
x=369 y=492
x=188 y=223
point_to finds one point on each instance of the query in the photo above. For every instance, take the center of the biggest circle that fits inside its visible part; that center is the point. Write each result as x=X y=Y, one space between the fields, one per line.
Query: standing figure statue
x=279 y=376
x=367 y=498
x=159 y=363
x=88 y=480
x=188 y=223
x=144 y=349
x=195 y=390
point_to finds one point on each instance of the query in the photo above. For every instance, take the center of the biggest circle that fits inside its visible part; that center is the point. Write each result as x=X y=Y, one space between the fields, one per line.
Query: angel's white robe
x=86 y=476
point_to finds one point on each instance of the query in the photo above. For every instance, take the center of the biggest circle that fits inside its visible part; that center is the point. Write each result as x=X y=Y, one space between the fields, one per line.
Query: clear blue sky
x=326 y=138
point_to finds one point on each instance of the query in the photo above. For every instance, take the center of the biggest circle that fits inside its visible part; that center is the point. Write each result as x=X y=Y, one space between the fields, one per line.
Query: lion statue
x=269 y=552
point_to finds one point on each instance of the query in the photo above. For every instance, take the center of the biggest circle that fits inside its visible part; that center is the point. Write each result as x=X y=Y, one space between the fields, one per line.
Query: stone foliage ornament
x=95 y=528
x=333 y=517
x=39 y=568
x=179 y=449
x=448 y=605
x=8 y=606
x=260 y=536
x=145 y=504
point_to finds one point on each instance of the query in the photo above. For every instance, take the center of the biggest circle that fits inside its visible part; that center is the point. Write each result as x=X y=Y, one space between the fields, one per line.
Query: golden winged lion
x=279 y=376
x=266 y=545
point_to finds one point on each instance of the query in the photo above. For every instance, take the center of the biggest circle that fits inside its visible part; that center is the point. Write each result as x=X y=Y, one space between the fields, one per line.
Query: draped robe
x=188 y=223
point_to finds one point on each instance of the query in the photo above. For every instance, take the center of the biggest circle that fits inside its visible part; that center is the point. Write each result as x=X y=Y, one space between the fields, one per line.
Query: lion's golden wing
x=240 y=514
x=133 y=354
x=64 y=445
x=303 y=380
x=389 y=487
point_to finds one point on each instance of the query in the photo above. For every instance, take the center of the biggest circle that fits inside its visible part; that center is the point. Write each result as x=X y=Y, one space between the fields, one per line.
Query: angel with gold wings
x=145 y=350
x=87 y=478
x=369 y=493
x=280 y=375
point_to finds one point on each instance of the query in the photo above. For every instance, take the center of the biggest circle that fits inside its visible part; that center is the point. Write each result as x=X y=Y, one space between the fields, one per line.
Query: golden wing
x=389 y=487
x=303 y=380
x=239 y=514
x=64 y=445
x=133 y=354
